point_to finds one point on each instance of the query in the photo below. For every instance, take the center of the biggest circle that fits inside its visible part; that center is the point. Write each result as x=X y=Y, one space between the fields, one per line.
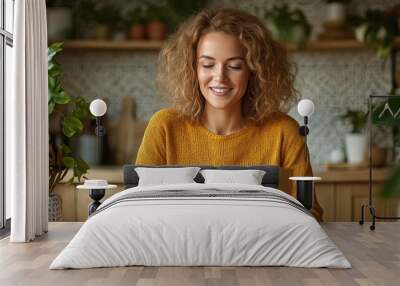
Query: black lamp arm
x=305 y=188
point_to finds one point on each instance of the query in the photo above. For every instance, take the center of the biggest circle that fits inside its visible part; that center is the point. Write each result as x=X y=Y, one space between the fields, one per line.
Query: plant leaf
x=54 y=69
x=68 y=131
x=52 y=82
x=69 y=162
x=83 y=166
x=71 y=125
x=62 y=98
x=53 y=50
x=66 y=149
x=51 y=107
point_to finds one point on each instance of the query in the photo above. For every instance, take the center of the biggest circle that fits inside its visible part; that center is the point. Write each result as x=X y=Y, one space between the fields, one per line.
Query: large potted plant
x=355 y=141
x=288 y=26
x=68 y=113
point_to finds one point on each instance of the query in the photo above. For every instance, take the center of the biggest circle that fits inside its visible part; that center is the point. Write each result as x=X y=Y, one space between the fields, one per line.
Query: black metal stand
x=96 y=195
x=100 y=132
x=370 y=206
x=305 y=188
x=305 y=193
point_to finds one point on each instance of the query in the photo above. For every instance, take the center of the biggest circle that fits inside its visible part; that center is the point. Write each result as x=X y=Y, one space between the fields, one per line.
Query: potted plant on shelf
x=288 y=26
x=336 y=12
x=375 y=29
x=156 y=28
x=355 y=141
x=136 y=22
x=69 y=123
x=107 y=16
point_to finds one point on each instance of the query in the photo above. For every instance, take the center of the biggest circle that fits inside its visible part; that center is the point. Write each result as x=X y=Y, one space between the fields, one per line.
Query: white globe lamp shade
x=305 y=107
x=98 y=107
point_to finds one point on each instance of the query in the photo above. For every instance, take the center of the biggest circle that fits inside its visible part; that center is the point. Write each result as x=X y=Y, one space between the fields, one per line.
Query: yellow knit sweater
x=171 y=140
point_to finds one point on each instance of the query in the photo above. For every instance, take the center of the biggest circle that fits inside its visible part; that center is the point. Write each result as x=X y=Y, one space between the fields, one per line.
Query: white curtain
x=27 y=124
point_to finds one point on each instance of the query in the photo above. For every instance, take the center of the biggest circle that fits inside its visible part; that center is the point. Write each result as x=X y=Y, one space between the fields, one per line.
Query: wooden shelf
x=93 y=45
x=112 y=45
x=328 y=46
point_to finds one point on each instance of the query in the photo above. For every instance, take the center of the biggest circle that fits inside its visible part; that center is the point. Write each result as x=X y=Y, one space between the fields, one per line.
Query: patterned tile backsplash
x=334 y=80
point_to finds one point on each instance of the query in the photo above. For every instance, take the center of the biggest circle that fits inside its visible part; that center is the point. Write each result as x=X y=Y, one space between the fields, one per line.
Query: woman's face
x=222 y=71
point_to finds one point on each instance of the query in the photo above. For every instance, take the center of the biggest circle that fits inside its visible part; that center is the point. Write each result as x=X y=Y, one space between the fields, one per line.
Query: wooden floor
x=375 y=256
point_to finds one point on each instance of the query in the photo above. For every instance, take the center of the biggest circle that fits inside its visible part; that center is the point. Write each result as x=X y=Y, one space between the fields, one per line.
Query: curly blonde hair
x=270 y=88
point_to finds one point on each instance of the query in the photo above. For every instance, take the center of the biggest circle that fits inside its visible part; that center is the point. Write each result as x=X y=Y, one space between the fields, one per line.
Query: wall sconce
x=305 y=185
x=98 y=108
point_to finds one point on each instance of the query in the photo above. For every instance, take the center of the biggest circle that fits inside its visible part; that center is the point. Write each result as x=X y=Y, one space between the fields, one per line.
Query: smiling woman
x=223 y=76
x=230 y=85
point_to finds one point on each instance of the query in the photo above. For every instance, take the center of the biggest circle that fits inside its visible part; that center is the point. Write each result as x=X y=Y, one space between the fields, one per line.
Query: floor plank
x=375 y=257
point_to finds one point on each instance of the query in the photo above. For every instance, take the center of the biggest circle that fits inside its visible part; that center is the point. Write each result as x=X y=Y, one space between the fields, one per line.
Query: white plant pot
x=336 y=12
x=360 y=32
x=356 y=145
x=59 y=23
x=336 y=156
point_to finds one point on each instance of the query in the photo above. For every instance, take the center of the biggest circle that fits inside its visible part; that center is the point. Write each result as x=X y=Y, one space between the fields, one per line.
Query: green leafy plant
x=356 y=118
x=289 y=26
x=375 y=29
x=61 y=157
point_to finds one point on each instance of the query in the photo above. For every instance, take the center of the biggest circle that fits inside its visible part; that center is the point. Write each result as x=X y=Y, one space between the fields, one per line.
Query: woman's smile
x=220 y=91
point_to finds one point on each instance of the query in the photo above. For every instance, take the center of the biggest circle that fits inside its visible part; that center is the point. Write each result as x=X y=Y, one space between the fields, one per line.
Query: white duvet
x=200 y=231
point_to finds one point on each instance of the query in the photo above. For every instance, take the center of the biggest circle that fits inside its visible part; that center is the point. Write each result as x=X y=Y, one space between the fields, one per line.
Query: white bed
x=265 y=229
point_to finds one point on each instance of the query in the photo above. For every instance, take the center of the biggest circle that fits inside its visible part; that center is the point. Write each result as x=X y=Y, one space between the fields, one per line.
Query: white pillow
x=162 y=176
x=249 y=177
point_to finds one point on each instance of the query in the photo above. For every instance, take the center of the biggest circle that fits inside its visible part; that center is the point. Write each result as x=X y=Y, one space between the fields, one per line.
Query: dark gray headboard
x=270 y=179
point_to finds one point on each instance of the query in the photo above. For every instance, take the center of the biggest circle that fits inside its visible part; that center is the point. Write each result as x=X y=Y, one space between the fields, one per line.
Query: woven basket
x=55 y=208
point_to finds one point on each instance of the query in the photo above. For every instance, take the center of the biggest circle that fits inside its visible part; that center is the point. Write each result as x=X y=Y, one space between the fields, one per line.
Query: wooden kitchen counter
x=342 y=192
x=352 y=175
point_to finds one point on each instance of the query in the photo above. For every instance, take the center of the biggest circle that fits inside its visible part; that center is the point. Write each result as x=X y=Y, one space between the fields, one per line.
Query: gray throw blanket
x=199 y=194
